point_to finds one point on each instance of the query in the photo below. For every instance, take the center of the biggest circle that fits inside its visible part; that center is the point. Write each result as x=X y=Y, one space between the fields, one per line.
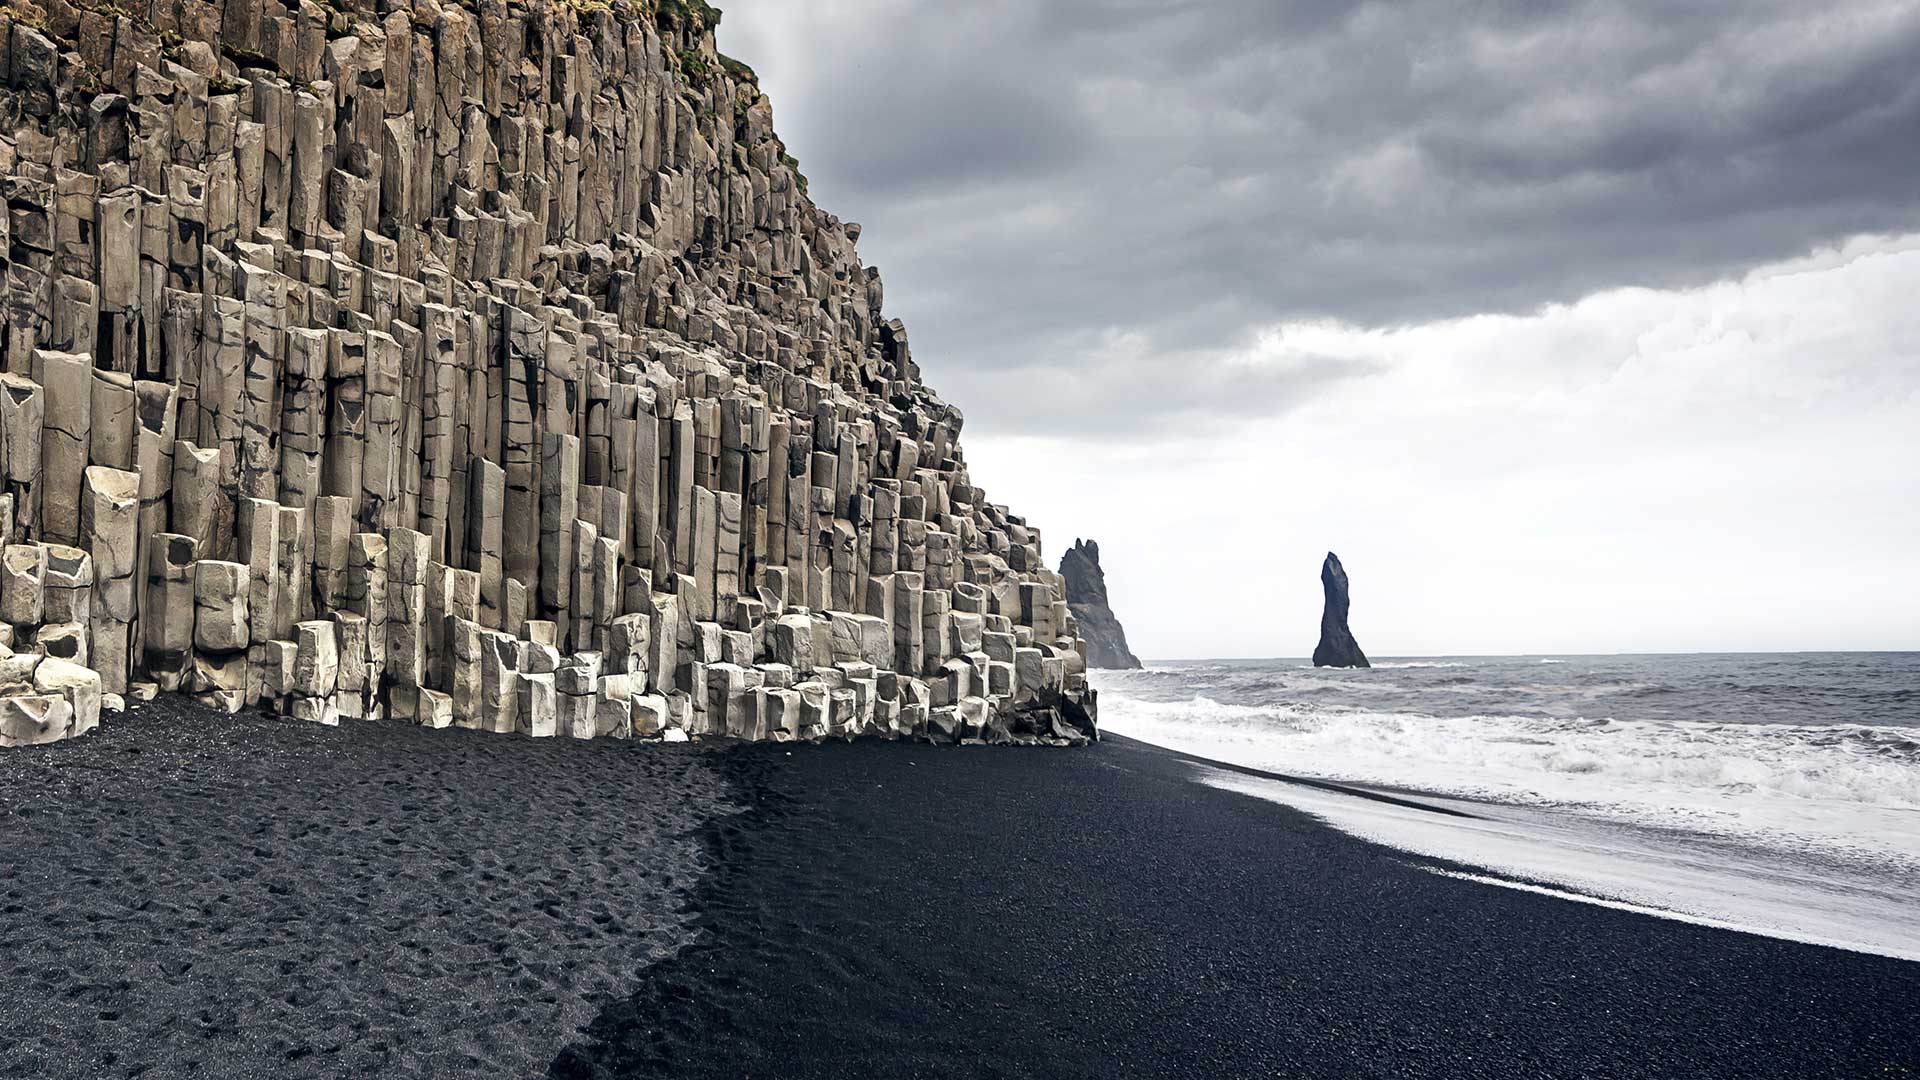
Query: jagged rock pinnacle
x=1087 y=599
x=1337 y=647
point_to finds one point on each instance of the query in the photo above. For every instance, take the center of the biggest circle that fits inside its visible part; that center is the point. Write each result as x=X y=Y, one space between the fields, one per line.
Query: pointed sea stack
x=1087 y=599
x=1337 y=647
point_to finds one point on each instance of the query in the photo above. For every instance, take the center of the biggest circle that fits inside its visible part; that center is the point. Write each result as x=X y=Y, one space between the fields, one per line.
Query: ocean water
x=1773 y=792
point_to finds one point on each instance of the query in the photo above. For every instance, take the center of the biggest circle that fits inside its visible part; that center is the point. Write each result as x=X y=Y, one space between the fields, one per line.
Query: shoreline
x=934 y=911
x=1670 y=789
x=317 y=902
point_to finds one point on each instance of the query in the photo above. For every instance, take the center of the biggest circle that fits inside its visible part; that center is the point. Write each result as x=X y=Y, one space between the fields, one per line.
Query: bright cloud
x=1730 y=467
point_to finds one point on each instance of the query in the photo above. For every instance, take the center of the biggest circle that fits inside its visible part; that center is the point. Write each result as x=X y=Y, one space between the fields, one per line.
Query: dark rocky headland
x=472 y=365
x=1337 y=648
x=1100 y=629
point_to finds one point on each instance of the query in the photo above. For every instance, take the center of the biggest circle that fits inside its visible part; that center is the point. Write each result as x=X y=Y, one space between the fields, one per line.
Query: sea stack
x=1337 y=647
x=1106 y=640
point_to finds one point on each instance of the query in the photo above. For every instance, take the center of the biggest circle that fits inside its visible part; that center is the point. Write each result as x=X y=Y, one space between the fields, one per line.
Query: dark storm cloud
x=1040 y=180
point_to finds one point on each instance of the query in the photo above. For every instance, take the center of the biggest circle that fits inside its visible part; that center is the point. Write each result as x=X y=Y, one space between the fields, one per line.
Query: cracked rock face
x=481 y=366
x=1086 y=583
x=1337 y=647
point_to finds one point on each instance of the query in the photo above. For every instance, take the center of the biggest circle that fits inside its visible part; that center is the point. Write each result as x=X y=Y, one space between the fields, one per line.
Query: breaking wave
x=1844 y=789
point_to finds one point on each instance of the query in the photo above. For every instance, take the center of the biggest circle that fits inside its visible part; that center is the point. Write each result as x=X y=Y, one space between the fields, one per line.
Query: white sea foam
x=1841 y=791
x=1659 y=872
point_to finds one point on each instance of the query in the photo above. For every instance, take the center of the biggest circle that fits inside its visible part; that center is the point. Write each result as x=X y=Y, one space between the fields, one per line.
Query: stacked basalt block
x=483 y=367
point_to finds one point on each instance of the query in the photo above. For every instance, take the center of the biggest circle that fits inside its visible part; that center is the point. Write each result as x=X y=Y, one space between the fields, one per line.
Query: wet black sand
x=917 y=912
x=189 y=895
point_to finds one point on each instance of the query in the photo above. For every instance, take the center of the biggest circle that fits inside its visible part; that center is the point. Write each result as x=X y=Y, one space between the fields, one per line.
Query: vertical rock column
x=559 y=509
x=406 y=609
x=167 y=620
x=259 y=549
x=22 y=419
x=220 y=633
x=68 y=382
x=363 y=627
x=316 y=673
x=23 y=589
x=110 y=524
x=68 y=605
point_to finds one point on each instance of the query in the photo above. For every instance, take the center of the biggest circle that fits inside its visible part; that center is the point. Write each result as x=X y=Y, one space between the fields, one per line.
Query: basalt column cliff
x=481 y=365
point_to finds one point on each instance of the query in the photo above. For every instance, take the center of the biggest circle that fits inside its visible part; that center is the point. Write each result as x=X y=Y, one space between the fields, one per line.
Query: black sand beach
x=919 y=912
x=188 y=895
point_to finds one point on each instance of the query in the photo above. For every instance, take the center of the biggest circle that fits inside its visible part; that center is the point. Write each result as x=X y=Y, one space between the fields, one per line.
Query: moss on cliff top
x=739 y=70
x=793 y=165
x=697 y=14
x=25 y=11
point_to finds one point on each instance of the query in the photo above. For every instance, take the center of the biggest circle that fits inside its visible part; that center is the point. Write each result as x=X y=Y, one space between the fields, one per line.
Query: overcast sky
x=1570 y=326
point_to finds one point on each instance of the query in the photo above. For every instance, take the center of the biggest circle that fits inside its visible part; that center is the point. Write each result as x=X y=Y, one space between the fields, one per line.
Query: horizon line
x=1307 y=658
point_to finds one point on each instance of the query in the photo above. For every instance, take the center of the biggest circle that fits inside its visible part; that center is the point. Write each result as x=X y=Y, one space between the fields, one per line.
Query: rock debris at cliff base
x=472 y=366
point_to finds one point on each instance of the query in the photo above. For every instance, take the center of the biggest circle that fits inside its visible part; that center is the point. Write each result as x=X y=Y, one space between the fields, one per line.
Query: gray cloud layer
x=1111 y=195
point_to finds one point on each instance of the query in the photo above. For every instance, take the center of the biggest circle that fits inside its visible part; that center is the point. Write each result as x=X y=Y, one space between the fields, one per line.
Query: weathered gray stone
x=68 y=586
x=630 y=639
x=201 y=509
x=220 y=622
x=499 y=683
x=259 y=549
x=539 y=707
x=68 y=641
x=790 y=642
x=79 y=684
x=278 y=667
x=35 y=719
x=316 y=659
x=650 y=715
x=314 y=710
x=67 y=379
x=559 y=510
x=167 y=622
x=23 y=580
x=22 y=419
x=436 y=709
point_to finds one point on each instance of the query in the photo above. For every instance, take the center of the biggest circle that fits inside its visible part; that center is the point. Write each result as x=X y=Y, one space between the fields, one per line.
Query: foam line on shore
x=1312 y=782
x=1656 y=912
x=1666 y=874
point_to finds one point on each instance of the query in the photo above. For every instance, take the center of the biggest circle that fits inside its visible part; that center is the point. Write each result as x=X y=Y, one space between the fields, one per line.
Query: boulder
x=79 y=685
x=67 y=641
x=33 y=719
